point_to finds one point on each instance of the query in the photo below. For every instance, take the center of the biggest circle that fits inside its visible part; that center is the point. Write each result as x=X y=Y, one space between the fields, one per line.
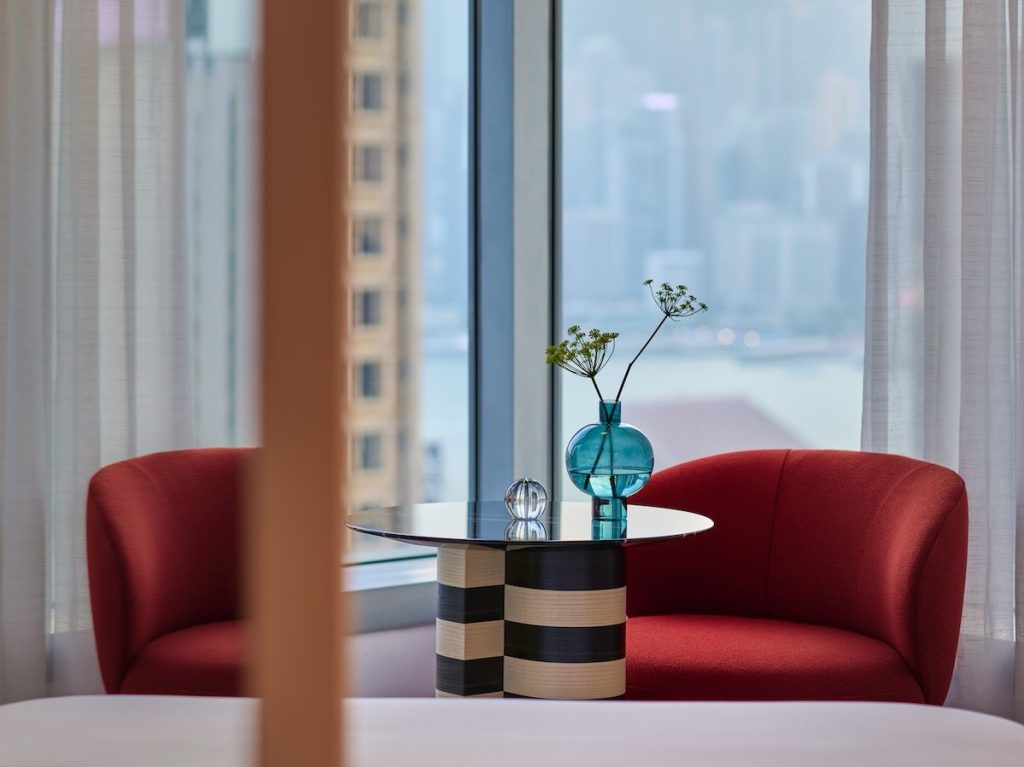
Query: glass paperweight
x=526 y=499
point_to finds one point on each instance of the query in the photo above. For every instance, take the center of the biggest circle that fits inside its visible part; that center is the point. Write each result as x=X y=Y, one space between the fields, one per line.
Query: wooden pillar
x=295 y=532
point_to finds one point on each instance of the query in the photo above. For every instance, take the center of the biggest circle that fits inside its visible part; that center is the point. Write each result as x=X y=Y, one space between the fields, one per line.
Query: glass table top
x=488 y=522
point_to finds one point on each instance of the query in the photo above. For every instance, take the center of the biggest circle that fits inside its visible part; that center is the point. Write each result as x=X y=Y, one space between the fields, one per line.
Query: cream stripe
x=539 y=607
x=565 y=681
x=443 y=694
x=467 y=567
x=468 y=641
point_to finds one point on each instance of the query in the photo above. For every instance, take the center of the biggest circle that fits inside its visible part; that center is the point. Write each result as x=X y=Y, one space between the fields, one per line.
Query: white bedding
x=199 y=732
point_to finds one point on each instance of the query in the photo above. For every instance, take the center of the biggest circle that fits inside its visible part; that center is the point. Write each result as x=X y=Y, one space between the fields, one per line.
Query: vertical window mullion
x=511 y=235
x=533 y=252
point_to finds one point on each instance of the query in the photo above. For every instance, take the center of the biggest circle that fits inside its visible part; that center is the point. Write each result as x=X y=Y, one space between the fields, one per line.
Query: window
x=369 y=163
x=368 y=380
x=723 y=145
x=410 y=225
x=366 y=307
x=219 y=146
x=368 y=91
x=369 y=21
x=368 y=452
x=368 y=236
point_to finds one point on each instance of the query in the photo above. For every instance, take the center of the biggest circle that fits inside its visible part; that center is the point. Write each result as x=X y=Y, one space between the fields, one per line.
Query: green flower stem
x=604 y=438
x=629 y=367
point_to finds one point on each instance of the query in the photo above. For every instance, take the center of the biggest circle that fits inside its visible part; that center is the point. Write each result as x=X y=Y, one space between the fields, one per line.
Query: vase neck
x=610 y=411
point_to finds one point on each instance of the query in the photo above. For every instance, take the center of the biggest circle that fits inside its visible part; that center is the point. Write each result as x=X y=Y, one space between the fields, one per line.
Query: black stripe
x=508 y=694
x=576 y=568
x=560 y=644
x=470 y=677
x=483 y=603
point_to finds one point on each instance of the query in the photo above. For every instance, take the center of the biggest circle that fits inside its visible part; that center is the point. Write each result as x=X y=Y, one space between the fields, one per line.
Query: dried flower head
x=586 y=353
x=583 y=353
x=675 y=302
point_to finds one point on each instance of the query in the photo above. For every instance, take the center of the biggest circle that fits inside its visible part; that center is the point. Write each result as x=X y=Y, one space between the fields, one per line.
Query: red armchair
x=829 y=575
x=162 y=535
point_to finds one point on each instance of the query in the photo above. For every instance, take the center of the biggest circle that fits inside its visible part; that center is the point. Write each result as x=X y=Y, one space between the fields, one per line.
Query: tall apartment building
x=384 y=266
x=384 y=307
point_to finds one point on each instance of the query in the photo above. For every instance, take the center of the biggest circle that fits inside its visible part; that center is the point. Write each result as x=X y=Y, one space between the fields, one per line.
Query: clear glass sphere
x=526 y=499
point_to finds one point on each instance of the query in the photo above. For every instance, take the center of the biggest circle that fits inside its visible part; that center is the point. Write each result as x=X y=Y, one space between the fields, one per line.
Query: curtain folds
x=943 y=357
x=94 y=300
x=25 y=276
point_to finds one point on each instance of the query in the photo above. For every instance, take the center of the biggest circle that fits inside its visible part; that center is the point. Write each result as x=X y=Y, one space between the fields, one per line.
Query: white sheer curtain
x=944 y=356
x=95 y=343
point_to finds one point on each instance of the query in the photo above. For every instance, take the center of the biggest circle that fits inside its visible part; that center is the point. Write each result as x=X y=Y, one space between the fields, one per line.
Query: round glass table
x=529 y=608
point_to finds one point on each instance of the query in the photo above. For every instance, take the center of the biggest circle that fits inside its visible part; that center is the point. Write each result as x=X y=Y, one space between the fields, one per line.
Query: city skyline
x=722 y=156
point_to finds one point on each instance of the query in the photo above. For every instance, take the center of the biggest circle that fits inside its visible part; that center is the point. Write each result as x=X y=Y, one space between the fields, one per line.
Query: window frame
x=514 y=242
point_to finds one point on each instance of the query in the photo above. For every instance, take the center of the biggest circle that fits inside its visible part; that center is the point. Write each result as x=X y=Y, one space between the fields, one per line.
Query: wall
x=392 y=664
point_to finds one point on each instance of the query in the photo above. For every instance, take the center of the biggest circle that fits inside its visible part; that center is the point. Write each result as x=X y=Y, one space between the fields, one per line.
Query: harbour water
x=815 y=399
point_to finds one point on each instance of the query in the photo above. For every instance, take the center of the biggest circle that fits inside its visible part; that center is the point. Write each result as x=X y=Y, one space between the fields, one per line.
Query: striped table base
x=470 y=625
x=531 y=621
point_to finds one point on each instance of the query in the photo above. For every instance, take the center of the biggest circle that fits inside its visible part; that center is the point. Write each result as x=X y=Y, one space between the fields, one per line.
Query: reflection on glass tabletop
x=488 y=522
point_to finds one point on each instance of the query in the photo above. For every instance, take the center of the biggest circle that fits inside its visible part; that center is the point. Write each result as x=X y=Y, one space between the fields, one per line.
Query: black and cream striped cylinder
x=470 y=629
x=565 y=622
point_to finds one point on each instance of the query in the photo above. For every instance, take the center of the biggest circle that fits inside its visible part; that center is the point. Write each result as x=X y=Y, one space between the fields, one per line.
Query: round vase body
x=609 y=460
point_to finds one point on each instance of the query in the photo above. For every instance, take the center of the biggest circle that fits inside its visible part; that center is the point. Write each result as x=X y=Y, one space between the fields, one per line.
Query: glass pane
x=722 y=145
x=408 y=272
x=221 y=131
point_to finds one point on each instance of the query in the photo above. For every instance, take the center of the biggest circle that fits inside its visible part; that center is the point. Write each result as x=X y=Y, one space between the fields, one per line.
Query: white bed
x=197 y=732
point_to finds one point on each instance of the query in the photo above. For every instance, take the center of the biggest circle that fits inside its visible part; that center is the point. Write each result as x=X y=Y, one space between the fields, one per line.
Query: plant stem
x=642 y=348
x=600 y=402
x=600 y=452
x=605 y=435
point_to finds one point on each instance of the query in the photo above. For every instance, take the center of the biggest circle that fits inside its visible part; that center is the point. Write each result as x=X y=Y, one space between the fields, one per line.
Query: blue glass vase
x=609 y=461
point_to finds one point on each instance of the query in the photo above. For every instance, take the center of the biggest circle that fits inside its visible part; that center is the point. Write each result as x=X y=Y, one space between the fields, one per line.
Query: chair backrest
x=866 y=542
x=162 y=535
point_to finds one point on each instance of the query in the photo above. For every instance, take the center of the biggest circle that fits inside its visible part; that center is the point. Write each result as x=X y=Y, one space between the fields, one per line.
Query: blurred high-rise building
x=384 y=279
x=384 y=213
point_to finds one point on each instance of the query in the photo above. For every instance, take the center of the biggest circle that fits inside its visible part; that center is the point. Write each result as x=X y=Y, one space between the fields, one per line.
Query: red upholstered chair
x=829 y=575
x=164 y=572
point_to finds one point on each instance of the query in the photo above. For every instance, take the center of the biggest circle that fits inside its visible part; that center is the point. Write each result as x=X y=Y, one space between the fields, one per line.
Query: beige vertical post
x=295 y=533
